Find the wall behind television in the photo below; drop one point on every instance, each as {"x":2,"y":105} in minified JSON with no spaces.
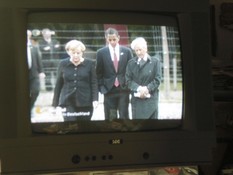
{"x":224,"y":36}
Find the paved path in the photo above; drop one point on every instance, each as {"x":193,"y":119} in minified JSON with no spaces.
{"x":43,"y":112}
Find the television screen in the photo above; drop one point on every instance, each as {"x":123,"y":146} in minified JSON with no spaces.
{"x":50,"y":98}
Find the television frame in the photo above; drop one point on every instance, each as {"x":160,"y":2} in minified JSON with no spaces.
{"x":22,"y":152}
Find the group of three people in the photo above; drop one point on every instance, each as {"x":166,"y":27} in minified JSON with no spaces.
{"x":115,"y":74}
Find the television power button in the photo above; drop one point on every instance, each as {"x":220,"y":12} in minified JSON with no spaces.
{"x":76,"y":159}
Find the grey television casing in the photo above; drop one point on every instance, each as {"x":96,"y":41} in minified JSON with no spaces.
{"x":22,"y":152}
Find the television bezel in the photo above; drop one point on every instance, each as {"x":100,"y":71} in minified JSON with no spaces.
{"x":23,"y":152}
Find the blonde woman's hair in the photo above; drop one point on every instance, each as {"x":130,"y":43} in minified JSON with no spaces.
{"x":73,"y":44}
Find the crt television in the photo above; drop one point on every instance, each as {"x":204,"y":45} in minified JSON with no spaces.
{"x":39,"y":141}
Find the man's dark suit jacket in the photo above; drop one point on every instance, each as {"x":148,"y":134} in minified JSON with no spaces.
{"x":105,"y":70}
{"x":36,"y":64}
{"x":34,"y":71}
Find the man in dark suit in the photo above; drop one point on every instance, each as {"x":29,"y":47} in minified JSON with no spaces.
{"x":50,"y":49}
{"x":110,"y":69}
{"x":35,"y":69}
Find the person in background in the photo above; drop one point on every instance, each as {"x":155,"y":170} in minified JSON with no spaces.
{"x":50,"y":49}
{"x":76,"y":88}
{"x":143,"y":76}
{"x":110,"y":69}
{"x":35,"y":69}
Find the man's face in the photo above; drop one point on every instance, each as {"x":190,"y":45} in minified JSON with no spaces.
{"x":140,"y":50}
{"x":112,"y":39}
{"x":47,"y":34}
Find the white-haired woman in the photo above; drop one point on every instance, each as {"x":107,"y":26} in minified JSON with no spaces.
{"x":76,"y":86}
{"x":143,"y":75}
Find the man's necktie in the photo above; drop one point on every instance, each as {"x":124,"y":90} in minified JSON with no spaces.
{"x":115,"y":62}
{"x":141,"y":62}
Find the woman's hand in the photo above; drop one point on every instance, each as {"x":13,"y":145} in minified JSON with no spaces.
{"x":95,"y":104}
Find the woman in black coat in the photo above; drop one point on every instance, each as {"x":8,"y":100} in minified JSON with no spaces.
{"x":143,"y":76}
{"x":76,"y":87}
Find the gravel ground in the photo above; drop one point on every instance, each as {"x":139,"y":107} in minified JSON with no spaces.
{"x":43,"y":112}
